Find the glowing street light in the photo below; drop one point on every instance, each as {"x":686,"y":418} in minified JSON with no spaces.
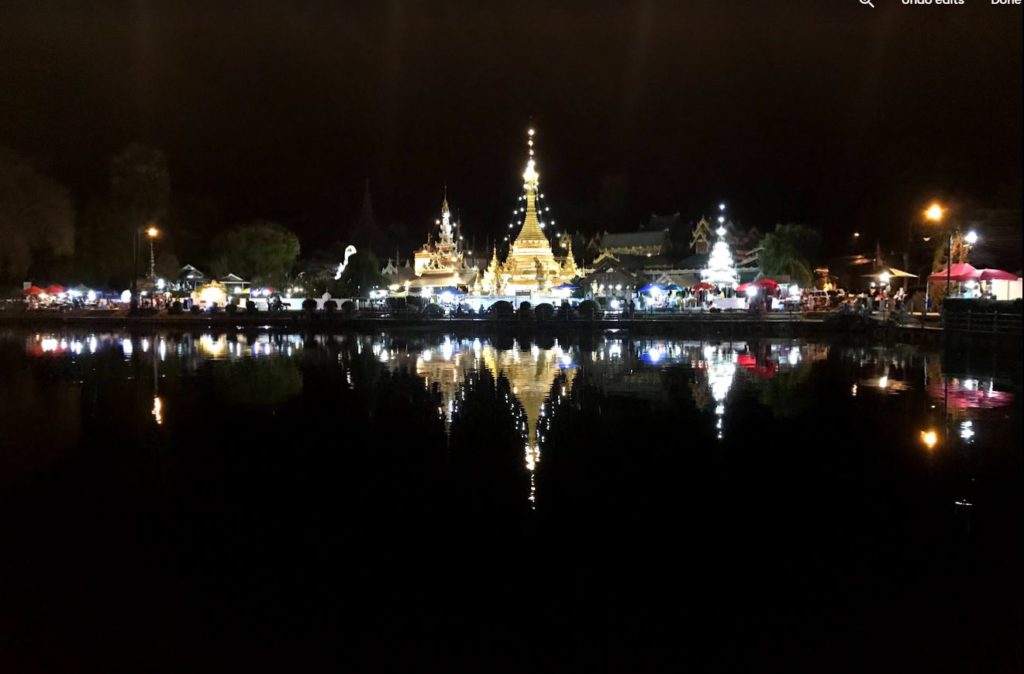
{"x":929,"y":439}
{"x":935,"y":212}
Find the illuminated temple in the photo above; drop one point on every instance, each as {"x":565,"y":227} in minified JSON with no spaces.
{"x":530,"y":266}
{"x":442,"y":263}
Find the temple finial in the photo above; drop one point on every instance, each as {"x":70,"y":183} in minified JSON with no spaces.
{"x":530,"y":176}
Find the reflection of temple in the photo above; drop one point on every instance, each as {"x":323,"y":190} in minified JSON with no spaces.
{"x":531,"y":376}
{"x":530,"y":265}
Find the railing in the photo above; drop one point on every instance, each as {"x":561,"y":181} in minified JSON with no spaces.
{"x":982,"y":322}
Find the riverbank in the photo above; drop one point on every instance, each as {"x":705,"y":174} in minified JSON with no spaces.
{"x":700,"y":324}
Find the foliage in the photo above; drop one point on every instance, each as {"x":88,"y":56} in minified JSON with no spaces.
{"x":580,"y":292}
{"x":360,"y":276}
{"x":261,"y":251}
{"x":138,"y":195}
{"x":140,"y":185}
{"x":501,"y":309}
{"x":167,"y":264}
{"x":36,"y":217}
{"x":789,"y":251}
{"x":589,"y":309}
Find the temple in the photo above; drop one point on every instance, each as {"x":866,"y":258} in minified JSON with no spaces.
{"x":530,"y":266}
{"x":442,"y":264}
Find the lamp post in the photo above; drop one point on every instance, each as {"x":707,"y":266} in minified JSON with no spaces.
{"x":151,"y":233}
{"x":936,"y":213}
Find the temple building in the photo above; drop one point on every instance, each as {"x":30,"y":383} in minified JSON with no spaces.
{"x":442,"y":264}
{"x":531,"y":266}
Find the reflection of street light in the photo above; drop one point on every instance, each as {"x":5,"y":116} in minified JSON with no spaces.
{"x":929,"y":439}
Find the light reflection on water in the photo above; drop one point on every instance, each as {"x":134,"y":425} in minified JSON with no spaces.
{"x":717,"y":441}
{"x":541,"y":376}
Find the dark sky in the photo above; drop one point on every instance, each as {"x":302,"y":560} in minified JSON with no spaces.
{"x":827,"y":112}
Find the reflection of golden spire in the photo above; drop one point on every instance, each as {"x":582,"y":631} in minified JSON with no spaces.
{"x":531,"y":376}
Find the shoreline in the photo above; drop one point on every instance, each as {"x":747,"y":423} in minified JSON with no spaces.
{"x":697,"y":325}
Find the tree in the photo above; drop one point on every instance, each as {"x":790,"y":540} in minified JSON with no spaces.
{"x":140,"y":184}
{"x":36,"y":217}
{"x":137,"y":196}
{"x":261,"y":251}
{"x":360,"y":276}
{"x":789,"y":251}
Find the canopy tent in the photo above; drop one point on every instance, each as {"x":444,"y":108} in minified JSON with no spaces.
{"x":566,"y":286}
{"x":672,"y":287}
{"x":451,"y":290}
{"x":766,"y":283}
{"x":742,"y":288}
{"x":34,"y":290}
{"x":703,"y":285}
{"x":54,"y":289}
{"x":996,"y":275}
{"x":959,"y":272}
{"x":893,"y":272}
{"x":651,"y":287}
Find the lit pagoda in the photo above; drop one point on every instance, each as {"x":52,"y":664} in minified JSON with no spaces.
{"x":530,"y":265}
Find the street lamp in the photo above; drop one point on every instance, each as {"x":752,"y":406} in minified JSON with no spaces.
{"x":151,"y":233}
{"x":935,"y":213}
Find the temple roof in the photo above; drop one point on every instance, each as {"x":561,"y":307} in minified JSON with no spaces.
{"x":638,"y":239}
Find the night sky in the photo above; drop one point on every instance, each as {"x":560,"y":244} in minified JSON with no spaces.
{"x":825,"y":112}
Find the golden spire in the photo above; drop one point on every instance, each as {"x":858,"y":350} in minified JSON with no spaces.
{"x":531,"y":234}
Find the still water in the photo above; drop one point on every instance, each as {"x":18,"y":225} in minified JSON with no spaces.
{"x":213,"y":502}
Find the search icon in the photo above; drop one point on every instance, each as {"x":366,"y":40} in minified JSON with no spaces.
{"x":869,"y":3}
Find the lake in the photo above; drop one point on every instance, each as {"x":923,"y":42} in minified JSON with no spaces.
{"x":192,"y":501}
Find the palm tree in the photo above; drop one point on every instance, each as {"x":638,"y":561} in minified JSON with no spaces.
{"x":787,"y":251}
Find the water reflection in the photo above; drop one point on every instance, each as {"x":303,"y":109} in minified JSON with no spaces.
{"x":266,"y":369}
{"x":538,"y":378}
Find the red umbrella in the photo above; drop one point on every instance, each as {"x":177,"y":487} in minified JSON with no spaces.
{"x":767,"y":283}
{"x":54,"y":289}
{"x":33,"y":290}
{"x":996,"y":275}
{"x":703,"y":285}
{"x":959,"y":272}
{"x":742,"y":288}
